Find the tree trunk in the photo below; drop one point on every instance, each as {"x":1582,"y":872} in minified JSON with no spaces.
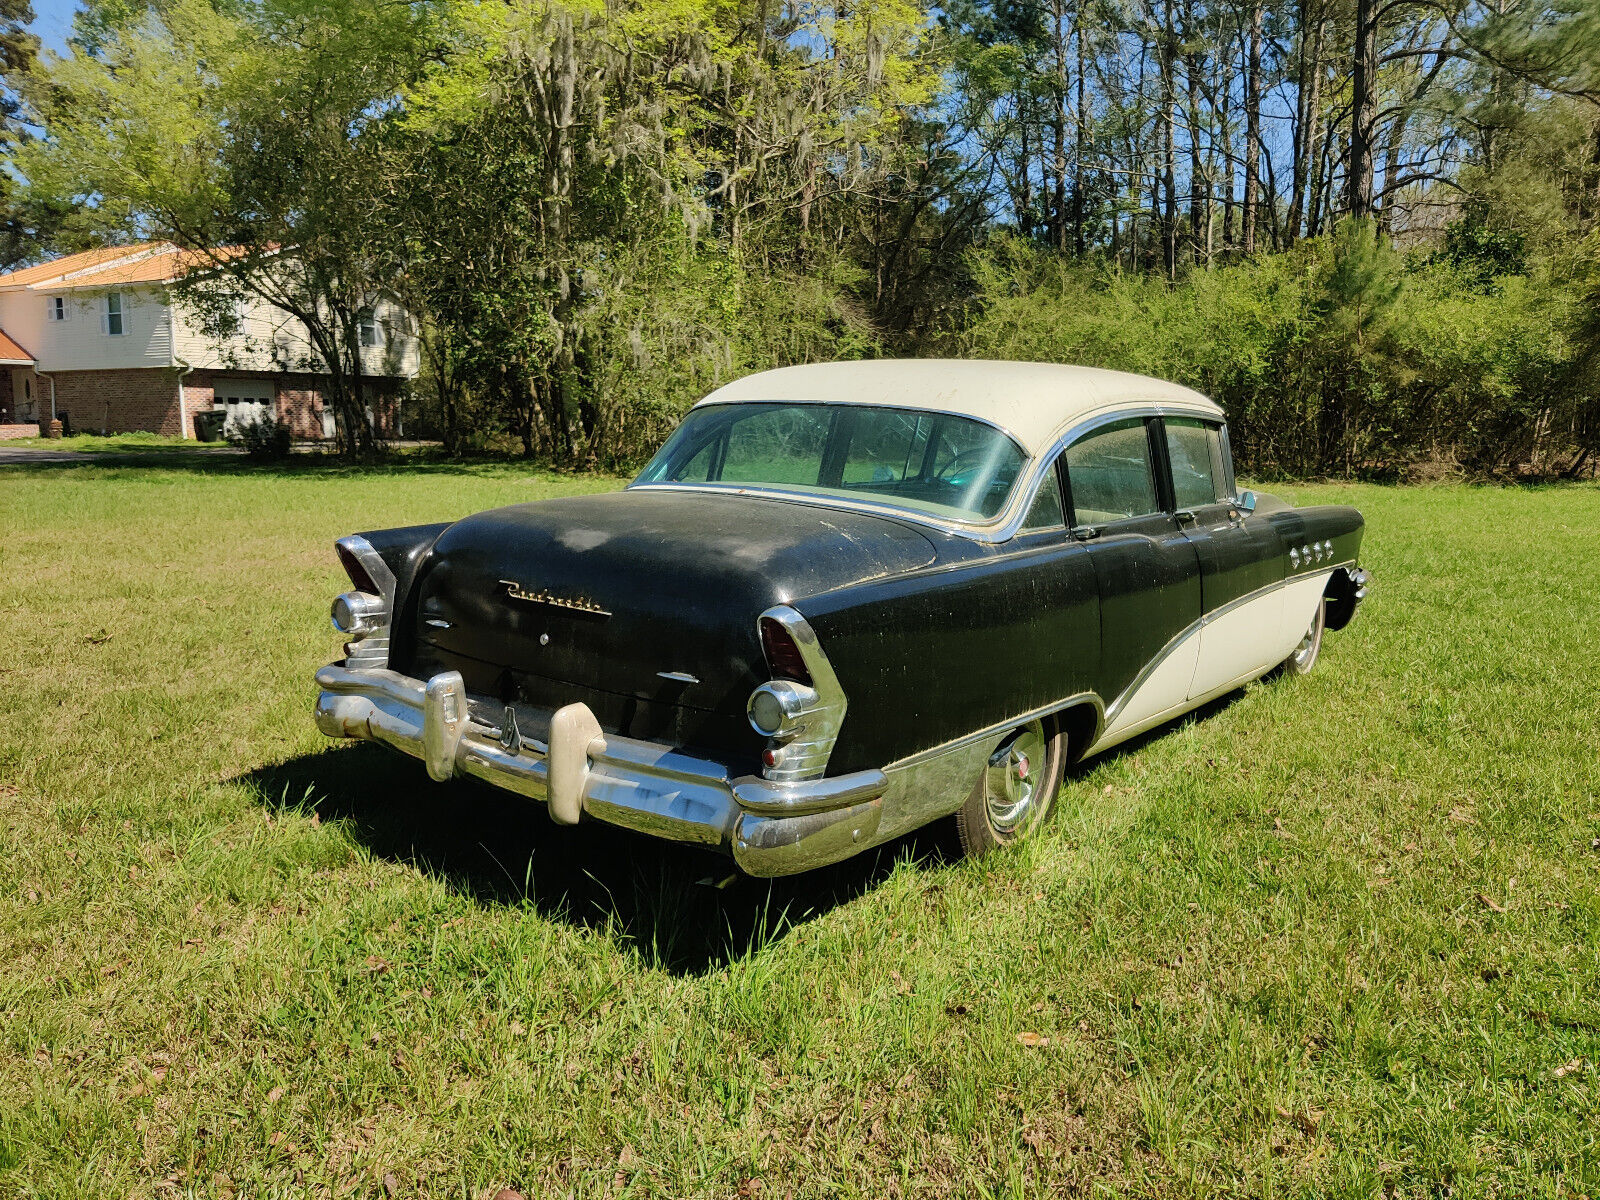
{"x":1078,"y":199}
{"x":1169,"y":175}
{"x":1193,"y":65}
{"x":1230,"y":161}
{"x":1363,"y":93}
{"x":1058,"y":199}
{"x":1252,"y":132}
{"x":1307,"y":132}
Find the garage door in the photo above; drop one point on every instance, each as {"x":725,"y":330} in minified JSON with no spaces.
{"x":245,"y":401}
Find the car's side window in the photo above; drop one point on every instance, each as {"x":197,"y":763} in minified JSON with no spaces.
{"x":1109,"y":474}
{"x":1047,"y":511}
{"x":1199,"y":473}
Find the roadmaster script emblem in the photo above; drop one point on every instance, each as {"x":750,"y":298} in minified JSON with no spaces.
{"x":517,"y":592}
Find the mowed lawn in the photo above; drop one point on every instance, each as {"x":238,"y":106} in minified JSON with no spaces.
{"x":1338,"y":936}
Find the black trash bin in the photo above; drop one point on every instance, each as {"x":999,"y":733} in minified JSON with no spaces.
{"x":208,"y":426}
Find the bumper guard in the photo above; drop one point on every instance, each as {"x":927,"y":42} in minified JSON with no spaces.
{"x":769,"y":828}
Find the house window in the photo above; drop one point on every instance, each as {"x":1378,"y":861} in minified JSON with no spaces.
{"x":56,"y":308}
{"x":370,"y":333}
{"x":116,"y":323}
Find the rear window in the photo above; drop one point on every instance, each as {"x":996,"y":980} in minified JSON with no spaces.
{"x":939,"y":463}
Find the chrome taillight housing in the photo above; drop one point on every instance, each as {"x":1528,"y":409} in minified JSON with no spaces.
{"x":801,"y":710}
{"x":777,"y":709}
{"x":364,"y":615}
{"x":356,"y":614}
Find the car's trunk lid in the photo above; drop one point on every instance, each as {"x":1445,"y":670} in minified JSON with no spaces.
{"x":649,"y":596}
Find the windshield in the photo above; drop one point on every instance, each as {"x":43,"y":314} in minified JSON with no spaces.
{"x":938,"y":463}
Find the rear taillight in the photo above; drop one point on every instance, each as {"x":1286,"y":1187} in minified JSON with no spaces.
{"x":784,"y":660}
{"x":359,"y":575}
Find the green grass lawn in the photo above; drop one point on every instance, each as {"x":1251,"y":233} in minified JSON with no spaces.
{"x":1340,"y":936}
{"x":117,"y":443}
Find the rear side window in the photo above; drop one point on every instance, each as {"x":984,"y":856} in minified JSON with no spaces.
{"x":776,"y":444}
{"x":1199,"y":475}
{"x":1047,"y":511}
{"x":1109,"y":475}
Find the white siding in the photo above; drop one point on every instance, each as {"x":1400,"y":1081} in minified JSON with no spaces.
{"x":80,"y":343}
{"x":269,"y":340}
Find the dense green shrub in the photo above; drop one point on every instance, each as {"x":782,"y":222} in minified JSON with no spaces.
{"x":264,"y":439}
{"x":1338,"y":357}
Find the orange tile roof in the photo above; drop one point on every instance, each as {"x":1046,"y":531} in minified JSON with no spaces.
{"x":58,"y":267}
{"x":10,"y":352}
{"x":162,"y":267}
{"x":149,"y":262}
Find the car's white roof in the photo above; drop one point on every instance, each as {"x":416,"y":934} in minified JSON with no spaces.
{"x":1034,"y":402}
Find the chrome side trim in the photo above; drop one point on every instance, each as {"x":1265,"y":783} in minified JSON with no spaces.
{"x":1006,"y":726}
{"x":805,"y":754}
{"x":1001,"y":528}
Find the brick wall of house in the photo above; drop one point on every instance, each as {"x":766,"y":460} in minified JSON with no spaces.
{"x":119,"y":401}
{"x":12,"y":432}
{"x":300,"y":404}
{"x":298,"y":397}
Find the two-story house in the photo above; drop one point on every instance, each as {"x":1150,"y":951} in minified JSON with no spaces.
{"x":101,"y":339}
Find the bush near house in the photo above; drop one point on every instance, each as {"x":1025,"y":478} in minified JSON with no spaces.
{"x":264,"y":439}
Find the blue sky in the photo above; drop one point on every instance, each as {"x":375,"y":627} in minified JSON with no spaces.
{"x":52,"y":21}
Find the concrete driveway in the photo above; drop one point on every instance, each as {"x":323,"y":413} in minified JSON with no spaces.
{"x":36,"y":455}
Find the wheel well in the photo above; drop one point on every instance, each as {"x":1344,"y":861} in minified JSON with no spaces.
{"x":1340,"y":598}
{"x":1080,"y":723}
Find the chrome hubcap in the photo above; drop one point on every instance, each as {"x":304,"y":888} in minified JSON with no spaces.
{"x":1014,"y":778}
{"x":1306,"y":652}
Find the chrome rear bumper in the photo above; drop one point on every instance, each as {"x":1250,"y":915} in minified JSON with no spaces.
{"x":769,"y":828}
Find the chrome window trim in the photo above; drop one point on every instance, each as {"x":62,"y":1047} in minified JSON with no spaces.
{"x":1001,"y":528}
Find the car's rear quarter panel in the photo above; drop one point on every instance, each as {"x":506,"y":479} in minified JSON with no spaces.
{"x":939,"y":653}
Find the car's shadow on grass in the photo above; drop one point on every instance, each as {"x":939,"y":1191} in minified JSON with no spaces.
{"x":684,"y":910}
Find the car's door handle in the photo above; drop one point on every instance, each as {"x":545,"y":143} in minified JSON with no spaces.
{"x":1084,"y":532}
{"x":1186,"y":516}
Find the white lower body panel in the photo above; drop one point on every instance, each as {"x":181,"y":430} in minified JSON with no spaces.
{"x":1224,"y":650}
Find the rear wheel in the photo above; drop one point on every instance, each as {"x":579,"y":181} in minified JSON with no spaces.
{"x":1015,"y":790}
{"x":1305,"y":655}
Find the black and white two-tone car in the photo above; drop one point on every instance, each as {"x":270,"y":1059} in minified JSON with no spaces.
{"x":843,"y":601}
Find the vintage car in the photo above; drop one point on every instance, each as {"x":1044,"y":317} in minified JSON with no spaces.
{"x":843,"y":601}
